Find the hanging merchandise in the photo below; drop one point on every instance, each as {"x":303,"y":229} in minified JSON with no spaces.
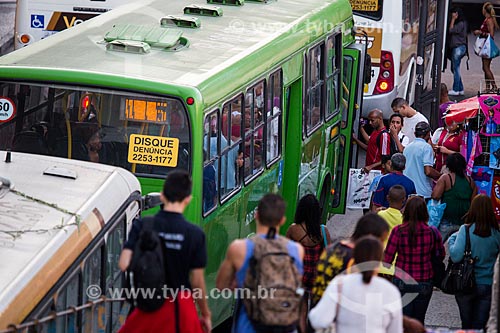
{"x":473,"y":149}
{"x":490,"y":105}
{"x":495,"y":196}
{"x":483,"y":177}
{"x":495,"y":153}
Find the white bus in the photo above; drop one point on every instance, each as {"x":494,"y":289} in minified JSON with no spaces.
{"x":62,"y":226}
{"x":37,"y":19}
{"x":405,"y":42}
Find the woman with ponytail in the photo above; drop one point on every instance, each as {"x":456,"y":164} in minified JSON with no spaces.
{"x":415,"y":243}
{"x":361,"y":301}
{"x":488,"y":28}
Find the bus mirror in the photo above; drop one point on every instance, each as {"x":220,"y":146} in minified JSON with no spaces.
{"x":367,"y":77}
{"x":151,"y":200}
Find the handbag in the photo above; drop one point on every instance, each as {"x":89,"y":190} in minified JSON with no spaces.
{"x":459,"y":277}
{"x":333,"y":326}
{"x":489,"y":49}
{"x":436,"y":212}
{"x":438,"y":267}
{"x":478,"y":44}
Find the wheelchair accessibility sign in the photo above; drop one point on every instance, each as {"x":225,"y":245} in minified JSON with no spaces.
{"x":37,"y":21}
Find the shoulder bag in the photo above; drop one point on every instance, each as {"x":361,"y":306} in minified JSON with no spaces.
{"x":438,"y":267}
{"x":459,"y":277}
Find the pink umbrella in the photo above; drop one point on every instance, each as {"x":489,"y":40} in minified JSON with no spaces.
{"x":460,"y":111}
{"x":469,"y":107}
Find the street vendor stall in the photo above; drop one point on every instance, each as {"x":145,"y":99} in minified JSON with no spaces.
{"x":481,"y":143}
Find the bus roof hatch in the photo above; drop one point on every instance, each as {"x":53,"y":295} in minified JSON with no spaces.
{"x":139,"y":39}
{"x":203,"y":10}
{"x":180,"y":21}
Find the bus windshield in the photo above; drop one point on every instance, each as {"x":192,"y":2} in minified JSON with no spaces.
{"x":371,"y":9}
{"x":147,"y":135}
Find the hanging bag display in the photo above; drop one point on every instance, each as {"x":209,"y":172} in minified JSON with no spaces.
{"x":459,"y":277}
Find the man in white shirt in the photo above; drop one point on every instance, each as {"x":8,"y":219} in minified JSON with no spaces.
{"x":412,"y":117}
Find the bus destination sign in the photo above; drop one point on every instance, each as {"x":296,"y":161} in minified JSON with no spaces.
{"x":153,"y":150}
{"x":364,"y":5}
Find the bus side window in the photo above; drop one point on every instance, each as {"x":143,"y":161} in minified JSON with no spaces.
{"x":334,"y":56}
{"x":254,"y":129}
{"x":273,"y":119}
{"x":210,"y":162}
{"x":314,"y":88}
{"x":229,"y":144}
{"x":92,"y":270}
{"x":114,"y":277}
{"x":66,"y":298}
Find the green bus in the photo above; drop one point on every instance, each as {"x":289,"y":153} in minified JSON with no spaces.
{"x":249,"y":97}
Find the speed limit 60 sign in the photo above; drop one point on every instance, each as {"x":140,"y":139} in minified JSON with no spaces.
{"x":7,"y":109}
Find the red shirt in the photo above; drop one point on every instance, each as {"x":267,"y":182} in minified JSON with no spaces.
{"x":452,"y":141}
{"x":374,"y":152}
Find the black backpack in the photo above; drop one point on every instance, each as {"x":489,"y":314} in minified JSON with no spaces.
{"x":148,"y":269}
{"x":392,"y":144}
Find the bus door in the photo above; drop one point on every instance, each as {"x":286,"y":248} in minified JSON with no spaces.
{"x":353,"y":80}
{"x":433,"y":18}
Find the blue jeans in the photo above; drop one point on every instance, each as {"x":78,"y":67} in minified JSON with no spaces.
{"x":456,"y":57}
{"x":475,"y":307}
{"x":418,"y":306}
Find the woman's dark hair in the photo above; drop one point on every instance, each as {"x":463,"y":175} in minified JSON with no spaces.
{"x":460,"y":13}
{"x":368,"y":250}
{"x":309,"y":212}
{"x":415,"y":211}
{"x":370,"y":224}
{"x":396,"y":115}
{"x":482,"y":214}
{"x":456,"y":163}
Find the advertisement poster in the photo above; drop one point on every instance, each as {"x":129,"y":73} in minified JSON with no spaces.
{"x":495,"y":196}
{"x":483,"y":177}
{"x":358,"y":193}
{"x":490,"y":105}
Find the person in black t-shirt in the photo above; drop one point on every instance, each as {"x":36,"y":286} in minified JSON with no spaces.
{"x":185,"y":258}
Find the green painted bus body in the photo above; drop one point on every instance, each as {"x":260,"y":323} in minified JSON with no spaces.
{"x":222,"y":61}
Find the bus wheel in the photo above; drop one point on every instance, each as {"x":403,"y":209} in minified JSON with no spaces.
{"x":323,"y":200}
